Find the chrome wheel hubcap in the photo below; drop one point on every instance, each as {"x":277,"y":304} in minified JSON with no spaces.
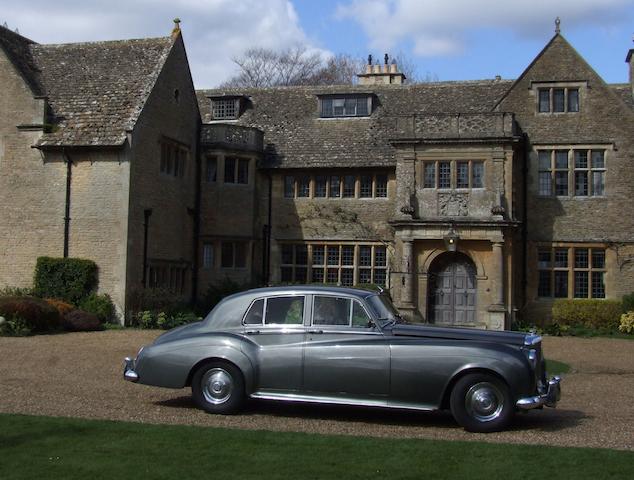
{"x":217,"y":386}
{"x":484,"y":402}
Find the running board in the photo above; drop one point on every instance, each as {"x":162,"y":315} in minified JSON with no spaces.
{"x":294,"y":397}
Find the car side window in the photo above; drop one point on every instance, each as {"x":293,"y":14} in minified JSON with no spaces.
{"x":360,"y":317}
{"x":331,"y":311}
{"x":284,"y":311}
{"x":255,"y":314}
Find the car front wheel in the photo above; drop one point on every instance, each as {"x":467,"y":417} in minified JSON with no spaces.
{"x":218,"y":388}
{"x":481,"y":403}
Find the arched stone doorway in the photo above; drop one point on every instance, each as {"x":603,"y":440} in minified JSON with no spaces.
{"x":452,"y":290}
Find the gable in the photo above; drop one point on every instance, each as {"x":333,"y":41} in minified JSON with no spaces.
{"x":559,"y":65}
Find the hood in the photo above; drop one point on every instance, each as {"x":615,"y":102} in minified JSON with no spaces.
{"x":507,"y":337}
{"x":178,"y":333}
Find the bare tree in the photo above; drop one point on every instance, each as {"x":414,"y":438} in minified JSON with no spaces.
{"x":341,"y":69}
{"x":262,"y":67}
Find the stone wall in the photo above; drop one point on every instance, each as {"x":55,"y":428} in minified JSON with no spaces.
{"x":169,"y":115}
{"x":32,"y":191}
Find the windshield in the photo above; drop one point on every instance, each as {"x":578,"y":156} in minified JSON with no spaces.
{"x":383,"y":309}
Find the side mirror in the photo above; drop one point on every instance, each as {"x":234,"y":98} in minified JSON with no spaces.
{"x":371,"y":324}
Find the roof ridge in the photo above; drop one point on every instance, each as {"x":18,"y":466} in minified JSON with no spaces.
{"x":102,"y":42}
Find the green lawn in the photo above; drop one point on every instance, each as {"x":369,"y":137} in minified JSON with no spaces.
{"x":44,"y":447}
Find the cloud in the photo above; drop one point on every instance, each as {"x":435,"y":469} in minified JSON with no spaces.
{"x":442,"y":27}
{"x":215,"y":31}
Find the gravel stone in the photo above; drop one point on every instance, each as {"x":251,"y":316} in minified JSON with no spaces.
{"x":80,"y":375}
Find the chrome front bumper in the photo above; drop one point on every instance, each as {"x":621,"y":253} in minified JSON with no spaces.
{"x":550,"y":398}
{"x":128,"y":370}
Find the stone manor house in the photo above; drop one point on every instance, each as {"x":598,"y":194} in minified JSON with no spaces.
{"x":474,"y":202}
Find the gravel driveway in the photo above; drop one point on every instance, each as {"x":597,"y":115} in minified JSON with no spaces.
{"x":80,"y":375}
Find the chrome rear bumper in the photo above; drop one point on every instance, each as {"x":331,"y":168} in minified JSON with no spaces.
{"x":128,"y":370}
{"x":550,"y":398}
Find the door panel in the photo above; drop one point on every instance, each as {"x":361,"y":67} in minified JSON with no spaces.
{"x":453,"y":293}
{"x":355,"y":363}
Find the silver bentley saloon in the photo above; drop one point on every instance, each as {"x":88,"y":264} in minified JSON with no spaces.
{"x":346,"y":346}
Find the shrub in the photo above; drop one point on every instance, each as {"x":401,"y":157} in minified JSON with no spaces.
{"x":160,"y":320}
{"x":628,"y":303}
{"x":15,"y":327}
{"x":69,"y":279}
{"x":62,"y":307}
{"x":598,"y":314}
{"x":100,"y":305}
{"x":81,"y":321}
{"x":36,"y":314}
{"x":16,"y":292}
{"x":627,"y":323}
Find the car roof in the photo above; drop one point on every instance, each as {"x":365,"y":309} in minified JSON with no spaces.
{"x":312,"y":289}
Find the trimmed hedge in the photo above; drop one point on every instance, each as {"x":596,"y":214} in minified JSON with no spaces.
{"x":69,"y":279}
{"x":36,"y":314}
{"x":601,"y":314}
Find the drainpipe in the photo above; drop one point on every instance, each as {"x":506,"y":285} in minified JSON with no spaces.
{"x":267,"y":272}
{"x":146,"y":224}
{"x":197,"y":208}
{"x":525,"y":221}
{"x":69,"y":173}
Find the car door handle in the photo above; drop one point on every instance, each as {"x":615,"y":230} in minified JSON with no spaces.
{"x":252,"y":332}
{"x":314,"y":330}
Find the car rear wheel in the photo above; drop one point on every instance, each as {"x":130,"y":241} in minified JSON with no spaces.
{"x":218,"y":388}
{"x":481,"y":403}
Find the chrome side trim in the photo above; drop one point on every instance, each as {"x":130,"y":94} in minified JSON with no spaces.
{"x":550,"y":398}
{"x":293,"y":397}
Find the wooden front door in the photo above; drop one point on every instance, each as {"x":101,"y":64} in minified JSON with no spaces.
{"x":452,"y":293}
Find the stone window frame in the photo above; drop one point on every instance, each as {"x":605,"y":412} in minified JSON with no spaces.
{"x":547,"y":175}
{"x":334,"y":263}
{"x":173,"y":158}
{"x":239,"y":174}
{"x":551,"y":87}
{"x":168,"y":275}
{"x":208,"y":255}
{"x":211,"y":168}
{"x":306,"y":185}
{"x":562,"y":272}
{"x":453,"y":174}
{"x":328,"y":105}
{"x":229,"y":250}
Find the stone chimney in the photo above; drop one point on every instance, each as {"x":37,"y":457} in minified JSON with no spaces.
{"x":630,"y":60}
{"x":376,"y":74}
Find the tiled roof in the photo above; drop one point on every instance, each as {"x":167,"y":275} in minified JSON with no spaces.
{"x":624,"y":92}
{"x":17,"y":49}
{"x":97,"y":90}
{"x":289,"y":118}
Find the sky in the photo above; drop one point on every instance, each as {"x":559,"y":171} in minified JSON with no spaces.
{"x":443,"y":39}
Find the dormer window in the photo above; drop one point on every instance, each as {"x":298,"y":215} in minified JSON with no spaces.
{"x":225,"y":109}
{"x":345,"y":106}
